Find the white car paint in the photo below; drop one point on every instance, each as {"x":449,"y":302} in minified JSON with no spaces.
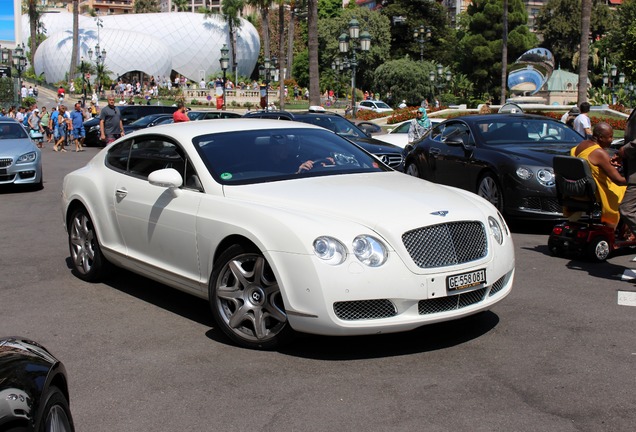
{"x":173,"y":235}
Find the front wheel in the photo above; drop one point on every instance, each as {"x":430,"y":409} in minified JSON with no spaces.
{"x":412,"y":170}
{"x":86,"y":255}
{"x":56,"y":416}
{"x":488,"y":188}
{"x":246,"y":300}
{"x":599,"y":249}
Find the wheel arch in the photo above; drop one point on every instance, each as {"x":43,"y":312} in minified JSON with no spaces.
{"x":229,"y":241}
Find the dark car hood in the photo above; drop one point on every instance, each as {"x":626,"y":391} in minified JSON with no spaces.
{"x":91,"y":122}
{"x":540,"y":154}
{"x":373,"y":145}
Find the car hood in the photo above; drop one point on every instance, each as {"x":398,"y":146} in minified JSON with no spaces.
{"x":540,"y":154}
{"x":16,"y":147}
{"x":373,"y":145}
{"x":388,"y":201}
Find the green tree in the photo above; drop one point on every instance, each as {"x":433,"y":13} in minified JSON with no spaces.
{"x":180,"y":5}
{"x":623,"y":38}
{"x":146,"y":6}
{"x":433,"y":16}
{"x":263,"y":7}
{"x":480,"y":44}
{"x":559,"y":23}
{"x":378,"y":27}
{"x":406,"y":79}
{"x":328,"y":9}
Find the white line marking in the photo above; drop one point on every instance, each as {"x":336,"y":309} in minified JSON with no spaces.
{"x":627,"y":298}
{"x":628,"y":275}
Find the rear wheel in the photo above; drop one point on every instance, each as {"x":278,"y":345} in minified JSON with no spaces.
{"x":86,"y":255}
{"x":246,"y":300}
{"x":599,"y":249}
{"x":489,"y":189}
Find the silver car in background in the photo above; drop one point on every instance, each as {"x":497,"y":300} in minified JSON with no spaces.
{"x":20,"y":159}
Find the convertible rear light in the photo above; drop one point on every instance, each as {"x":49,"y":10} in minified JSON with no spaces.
{"x":581,"y":234}
{"x":557,"y":230}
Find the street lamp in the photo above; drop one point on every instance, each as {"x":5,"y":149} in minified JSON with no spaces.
{"x":225,"y":63}
{"x":421,"y":35}
{"x":19,"y":61}
{"x":352,"y":39}
{"x":440,"y":79}
{"x":100,"y":58}
{"x":268,"y":70}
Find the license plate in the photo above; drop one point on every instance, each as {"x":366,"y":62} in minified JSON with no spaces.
{"x":465,"y":280}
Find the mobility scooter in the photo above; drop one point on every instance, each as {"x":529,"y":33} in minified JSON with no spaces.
{"x":588,"y":237}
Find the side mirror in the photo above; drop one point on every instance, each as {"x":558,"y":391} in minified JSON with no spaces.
{"x":167,"y":178}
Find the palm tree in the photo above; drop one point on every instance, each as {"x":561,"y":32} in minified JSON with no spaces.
{"x":504,"y":52}
{"x":281,"y":52}
{"x":314,"y":73}
{"x":75,"y":48}
{"x":586,"y":12}
{"x":180,"y":5}
{"x":34,"y":19}
{"x":231,"y":10}
{"x":263,"y":6}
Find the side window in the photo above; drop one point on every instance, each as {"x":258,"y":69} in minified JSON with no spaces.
{"x":118,"y":155}
{"x":151,"y":154}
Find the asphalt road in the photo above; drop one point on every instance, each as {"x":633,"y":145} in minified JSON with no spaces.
{"x":559,"y":354}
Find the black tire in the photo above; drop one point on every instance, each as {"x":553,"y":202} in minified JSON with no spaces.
{"x":488,"y":188}
{"x":555,"y":249}
{"x":599,"y":249}
{"x":56,"y":415}
{"x":412,"y":170}
{"x":87,"y":259}
{"x":246,"y":301}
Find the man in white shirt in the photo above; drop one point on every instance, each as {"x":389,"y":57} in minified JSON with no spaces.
{"x":582,"y":123}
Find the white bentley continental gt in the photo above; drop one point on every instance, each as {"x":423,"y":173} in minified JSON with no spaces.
{"x":284,"y":227}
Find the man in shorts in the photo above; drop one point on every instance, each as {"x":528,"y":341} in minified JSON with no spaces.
{"x":110,"y":124}
{"x":78,"y":133}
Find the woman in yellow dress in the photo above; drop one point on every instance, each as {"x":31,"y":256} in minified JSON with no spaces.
{"x":611,"y":184}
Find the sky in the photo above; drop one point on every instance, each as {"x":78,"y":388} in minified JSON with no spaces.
{"x":7,"y":21}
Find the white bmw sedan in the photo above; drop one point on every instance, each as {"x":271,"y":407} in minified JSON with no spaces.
{"x":284,"y":227}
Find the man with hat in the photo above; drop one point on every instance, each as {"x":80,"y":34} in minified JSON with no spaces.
{"x":569,"y":116}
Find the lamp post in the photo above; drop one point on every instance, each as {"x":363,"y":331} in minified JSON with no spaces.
{"x":267,"y":70}
{"x":440,"y":79}
{"x":421,"y":35}
{"x":100,"y":58}
{"x":19,"y":61}
{"x":354,"y":39}
{"x":225,"y":63}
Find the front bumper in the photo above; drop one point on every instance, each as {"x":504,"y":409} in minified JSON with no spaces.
{"x":351,"y":299}
{"x":26,"y":173}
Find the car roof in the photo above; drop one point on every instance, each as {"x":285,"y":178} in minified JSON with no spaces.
{"x":472,"y":118}
{"x":186,"y":131}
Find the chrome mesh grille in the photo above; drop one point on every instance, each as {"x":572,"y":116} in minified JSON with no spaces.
{"x":445,"y":304}
{"x":5,"y":162}
{"x":544,"y":204}
{"x":364,"y":309}
{"x":446,"y":244}
{"x":497,"y":286}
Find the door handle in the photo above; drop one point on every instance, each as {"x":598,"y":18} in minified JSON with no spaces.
{"x":121,"y":192}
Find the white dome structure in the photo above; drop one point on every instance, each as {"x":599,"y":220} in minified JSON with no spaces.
{"x":155,"y":44}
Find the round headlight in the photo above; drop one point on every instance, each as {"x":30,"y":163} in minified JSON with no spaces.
{"x":369,"y":250}
{"x":545,"y":177}
{"x":330,"y":250}
{"x":495,"y":229}
{"x":524,"y":173}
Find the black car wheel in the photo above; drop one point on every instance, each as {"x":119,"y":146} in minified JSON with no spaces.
{"x":86,"y":255}
{"x":488,"y":188}
{"x":56,"y":416}
{"x":246,"y":301}
{"x":599,"y":249}
{"x":412,"y":170}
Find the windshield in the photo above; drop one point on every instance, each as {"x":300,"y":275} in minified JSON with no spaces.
{"x":12,"y":131}
{"x":382,"y":105}
{"x":512,"y":130}
{"x":258,"y":156}
{"x":339,"y":125}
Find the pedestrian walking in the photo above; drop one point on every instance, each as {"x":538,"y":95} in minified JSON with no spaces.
{"x":110,"y":124}
{"x":78,"y":132}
